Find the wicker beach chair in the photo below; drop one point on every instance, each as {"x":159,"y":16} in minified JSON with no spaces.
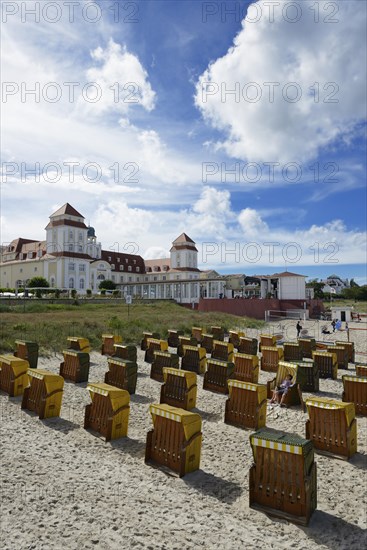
{"x":13,"y":375}
{"x":355,"y":391}
{"x":194,"y":359}
{"x":270,"y":358}
{"x":332,"y":427}
{"x":327,"y":364}
{"x":217,"y":375}
{"x":108,"y":343}
{"x":108,"y":414}
{"x":163,"y":359}
{"x":122,"y":374}
{"x":246,"y":405}
{"x":75,"y":366}
{"x":246,"y":368}
{"x":179,"y":388}
{"x":28,"y":351}
{"x":175,"y":441}
{"x":44,"y":393}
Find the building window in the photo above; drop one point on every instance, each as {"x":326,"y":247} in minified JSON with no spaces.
{"x":126,"y":260}
{"x":109,"y":258}
{"x":164,"y":278}
{"x":100,"y":277}
{"x":35,"y":269}
{"x":71,"y":282}
{"x":146,"y":279}
{"x":137,"y":279}
{"x":81,"y":284}
{"x":138,"y":269}
{"x":129,"y":268}
{"x":81,"y":267}
{"x":134,"y":262}
{"x":130,"y":279}
{"x":71,"y":236}
{"x":21,"y":270}
{"x":118,"y":260}
{"x":155,"y":278}
{"x":80,"y":248}
{"x":70,"y":247}
{"x":52,"y":282}
{"x":113,"y":266}
{"x":80,"y":237}
{"x":113,"y":278}
{"x":121,"y":278}
{"x":30,"y":254}
{"x":71,"y":266}
{"x":121,"y":268}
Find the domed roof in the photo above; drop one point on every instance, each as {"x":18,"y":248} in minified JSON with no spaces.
{"x":91,"y":232}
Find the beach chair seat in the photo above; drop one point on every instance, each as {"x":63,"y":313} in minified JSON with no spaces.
{"x":179,"y":388}
{"x":292,"y":351}
{"x":13,"y":375}
{"x":246,"y":405}
{"x":342,"y":356}
{"x":222,"y":350}
{"x":308,"y":345}
{"x":44,"y":393}
{"x":332,"y":427}
{"x":122,"y":374}
{"x":270,"y":357}
{"x":75,"y":366}
{"x":355,"y":391}
{"x":172,"y":338}
{"x":28,"y":351}
{"x":217,"y":375}
{"x":294,"y":393}
{"x":268,"y":340}
{"x":175,"y":441}
{"x":327,"y":364}
{"x":185,"y":341}
{"x":246,"y":368}
{"x":108,"y":343}
{"x":361,"y":370}
{"x":197,"y":333}
{"x":248,"y":346}
{"x":207,"y":342}
{"x":79,"y":344}
{"x":146,"y":335}
{"x":194,"y":359}
{"x":128,"y":352}
{"x":163,"y":359}
{"x":154,"y":345}
{"x":349,"y":346}
{"x":234,"y":337}
{"x":108,"y":414}
{"x":308,"y":375}
{"x":217,"y":333}
{"x":282,"y":479}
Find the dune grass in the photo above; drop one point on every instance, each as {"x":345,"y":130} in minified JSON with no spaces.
{"x":51,"y":324}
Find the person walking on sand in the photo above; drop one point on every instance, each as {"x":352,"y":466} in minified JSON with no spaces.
{"x":333,"y":324}
{"x":299,"y":328}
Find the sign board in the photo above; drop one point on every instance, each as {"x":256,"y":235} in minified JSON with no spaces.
{"x":129,"y":300}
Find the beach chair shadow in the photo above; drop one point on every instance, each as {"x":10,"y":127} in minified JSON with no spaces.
{"x":137,"y":398}
{"x":128,"y":445}
{"x":59,"y":424}
{"x":328,"y":530}
{"x":359,"y":461}
{"x":213,"y":486}
{"x":210,"y":417}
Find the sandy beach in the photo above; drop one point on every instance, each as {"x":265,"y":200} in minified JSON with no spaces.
{"x":63,"y":487}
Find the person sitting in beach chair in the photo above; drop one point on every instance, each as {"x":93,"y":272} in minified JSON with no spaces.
{"x":324,"y":330}
{"x":281,"y":391}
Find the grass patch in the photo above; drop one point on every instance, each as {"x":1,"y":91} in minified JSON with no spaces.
{"x":51,"y":324}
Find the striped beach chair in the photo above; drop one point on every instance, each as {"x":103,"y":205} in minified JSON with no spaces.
{"x":194,"y":359}
{"x":108,"y":414}
{"x":122,"y":374}
{"x":179,"y":388}
{"x":175,"y":441}
{"x":75,"y":366}
{"x":44,"y":393}
{"x":217,"y":375}
{"x":248,"y":346}
{"x":270,"y":358}
{"x":283,"y":479}
{"x":332,"y":426}
{"x":13,"y":375}
{"x":78,"y":344}
{"x":327,"y":364}
{"x":108,"y":343}
{"x":355,"y":391}
{"x":246,"y":368}
{"x":28,"y":351}
{"x":163,"y":359}
{"x":246,"y":405}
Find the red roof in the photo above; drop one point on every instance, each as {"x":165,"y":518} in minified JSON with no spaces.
{"x":182,"y":239}
{"x":67,"y":209}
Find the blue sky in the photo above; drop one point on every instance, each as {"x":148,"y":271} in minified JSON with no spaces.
{"x":177,"y":143}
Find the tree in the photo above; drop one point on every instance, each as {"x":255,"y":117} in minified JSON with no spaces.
{"x":107,"y":285}
{"x":317,"y":288}
{"x":38,"y":282}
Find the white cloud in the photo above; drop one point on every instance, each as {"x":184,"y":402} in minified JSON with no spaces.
{"x":155,"y":252}
{"x":251,"y":223}
{"x":304,"y":52}
{"x":209,"y":214}
{"x":122,"y":79}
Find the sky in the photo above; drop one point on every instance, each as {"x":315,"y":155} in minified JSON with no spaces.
{"x":242,"y":124}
